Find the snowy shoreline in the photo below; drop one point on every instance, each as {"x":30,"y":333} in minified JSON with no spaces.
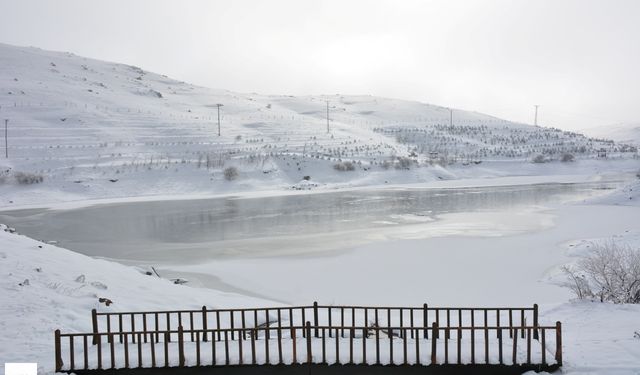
{"x":598,"y":336}
{"x":51,"y":201}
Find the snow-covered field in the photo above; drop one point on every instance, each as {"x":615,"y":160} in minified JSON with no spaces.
{"x":94,"y":130}
{"x":99,"y":132}
{"x":46,"y":287}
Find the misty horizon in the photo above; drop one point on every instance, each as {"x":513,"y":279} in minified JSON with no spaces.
{"x":576,"y":59}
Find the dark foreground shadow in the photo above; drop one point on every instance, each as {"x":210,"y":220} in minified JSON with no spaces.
{"x":321,"y":369}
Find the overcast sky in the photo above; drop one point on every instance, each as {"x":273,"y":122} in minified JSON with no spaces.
{"x":578,"y":59}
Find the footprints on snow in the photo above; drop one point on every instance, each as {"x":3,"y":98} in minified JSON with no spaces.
{"x":96,"y":284}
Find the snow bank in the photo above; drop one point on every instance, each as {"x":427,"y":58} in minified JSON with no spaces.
{"x":628,"y":195}
{"x":598,"y":338}
{"x":44,"y":287}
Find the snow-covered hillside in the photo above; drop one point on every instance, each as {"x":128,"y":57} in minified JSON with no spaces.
{"x":624,"y":132}
{"x":81,"y":128}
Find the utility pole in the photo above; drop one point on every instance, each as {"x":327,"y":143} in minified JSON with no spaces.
{"x":219,"y":105}
{"x":535,"y":119}
{"x":450,"y":117}
{"x":327,"y":117}
{"x":6,"y":142}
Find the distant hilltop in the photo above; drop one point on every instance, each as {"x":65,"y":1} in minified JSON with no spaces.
{"x":88,"y":127}
{"x":621,"y":132}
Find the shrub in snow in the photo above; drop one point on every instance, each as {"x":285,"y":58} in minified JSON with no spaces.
{"x":152,"y":93}
{"x":404,"y":163}
{"x":344,"y":166}
{"x":609,"y":273}
{"x":566,"y":157}
{"x":98,"y":285}
{"x":28,"y":178}
{"x":230,"y":173}
{"x":106,"y":301}
{"x":539,"y":159}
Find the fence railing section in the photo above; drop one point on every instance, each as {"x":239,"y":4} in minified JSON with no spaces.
{"x":312,"y":334}
{"x":331,"y":316}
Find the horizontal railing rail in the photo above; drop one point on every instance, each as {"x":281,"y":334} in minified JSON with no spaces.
{"x":204,"y":318}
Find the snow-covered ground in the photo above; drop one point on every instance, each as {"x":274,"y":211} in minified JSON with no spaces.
{"x":45,"y":287}
{"x":94,"y":130}
{"x":599,"y":338}
{"x":103,"y":132}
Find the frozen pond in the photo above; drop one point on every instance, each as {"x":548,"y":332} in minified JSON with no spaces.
{"x":190,"y":231}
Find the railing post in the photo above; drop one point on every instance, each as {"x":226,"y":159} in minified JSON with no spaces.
{"x":309,"y":356}
{"x":514,"y":359}
{"x":94,"y":324}
{"x":204,"y":323}
{"x":425,"y":313}
{"x":180,"y":346}
{"x":295,"y":346}
{"x":535,"y":321}
{"x":434,"y":335}
{"x":559,"y":343}
{"x":315,"y":317}
{"x":58,"y":351}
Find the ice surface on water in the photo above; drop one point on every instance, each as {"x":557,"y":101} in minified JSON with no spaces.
{"x":173,"y":231}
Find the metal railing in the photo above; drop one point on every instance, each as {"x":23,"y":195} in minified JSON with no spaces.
{"x":312,"y":334}
{"x":328,"y":315}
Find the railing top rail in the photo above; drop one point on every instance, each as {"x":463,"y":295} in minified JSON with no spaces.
{"x":422,"y":307}
{"x":200,"y":310}
{"x":430,"y":308}
{"x":302,"y":327}
{"x":144,"y":312}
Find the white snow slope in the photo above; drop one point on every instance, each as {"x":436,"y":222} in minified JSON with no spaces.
{"x":622,"y":132}
{"x":94,"y":129}
{"x":44,"y":288}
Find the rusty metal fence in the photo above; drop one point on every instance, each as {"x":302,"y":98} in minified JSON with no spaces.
{"x":312,"y":334}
